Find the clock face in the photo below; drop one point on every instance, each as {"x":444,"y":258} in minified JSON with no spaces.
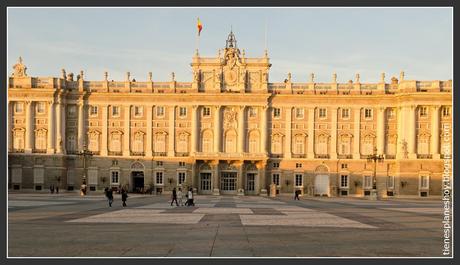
{"x":230,"y":76}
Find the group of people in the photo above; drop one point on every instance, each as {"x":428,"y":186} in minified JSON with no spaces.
{"x":52,"y":188}
{"x":109,"y":194}
{"x":177,"y":197}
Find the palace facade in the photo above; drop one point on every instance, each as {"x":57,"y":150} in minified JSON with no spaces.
{"x":229,"y":131}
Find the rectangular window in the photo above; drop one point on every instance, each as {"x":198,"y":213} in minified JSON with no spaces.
{"x":18,"y":107}
{"x":276,"y":165}
{"x":344,"y":166}
{"x":299,"y":113}
{"x":206,"y":112}
{"x":276,"y":112}
{"x":181,"y":178}
{"x":345,"y":113}
{"x":298,"y":165}
{"x":367,"y":182}
{"x":138,"y":111}
{"x":93,"y":110}
{"x":159,"y":178}
{"x":160,"y":111}
{"x":322,"y":113}
{"x":391,"y":113}
{"x":182,"y":111}
{"x":445,"y":112}
{"x":368,"y":113}
{"x":115,"y":111}
{"x":276,"y":179}
{"x":344,"y":181}
{"x":252,"y":112}
{"x":423,"y":112}
{"x":40,"y":107}
{"x":115,"y":175}
{"x":159,"y":163}
{"x":391,"y":182}
{"x":182,"y":164}
{"x":424,"y":182}
{"x":298,"y":180}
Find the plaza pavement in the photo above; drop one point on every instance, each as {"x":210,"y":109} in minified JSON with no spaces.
{"x":68,"y":225}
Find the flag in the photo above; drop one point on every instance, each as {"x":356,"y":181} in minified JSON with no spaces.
{"x":200,"y":26}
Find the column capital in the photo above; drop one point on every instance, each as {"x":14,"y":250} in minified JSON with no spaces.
{"x":381,"y":108}
{"x":195,"y":107}
{"x":217,"y":106}
{"x":436,"y":107}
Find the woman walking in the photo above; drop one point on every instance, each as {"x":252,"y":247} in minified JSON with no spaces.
{"x":124,"y":196}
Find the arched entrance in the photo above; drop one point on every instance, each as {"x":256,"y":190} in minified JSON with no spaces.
{"x":322,"y":181}
{"x":137,"y":177}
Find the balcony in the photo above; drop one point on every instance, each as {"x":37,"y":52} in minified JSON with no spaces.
{"x":365,"y":156}
{"x":277,"y":155}
{"x":133,"y":153}
{"x":95,"y":153}
{"x":322,"y":156}
{"x":299,"y":155}
{"x":72,"y":152}
{"x":182,"y":154}
{"x":344,"y":156}
{"x":115,"y":153}
{"x":17,"y":151}
{"x":424,"y":156}
{"x":39,"y":151}
{"x":159,"y":153}
{"x":390,"y":156}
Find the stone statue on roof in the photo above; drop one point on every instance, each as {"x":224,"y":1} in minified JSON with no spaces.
{"x":19,"y":69}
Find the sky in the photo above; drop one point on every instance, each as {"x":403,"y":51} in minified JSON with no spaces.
{"x":301,"y":41}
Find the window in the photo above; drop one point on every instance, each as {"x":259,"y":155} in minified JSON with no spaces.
{"x":276,"y":179}
{"x":368,"y":113}
{"x":276,"y":165}
{"x":299,"y":113}
{"x":345,"y":144}
{"x":252,"y":112}
{"x":367,"y":182}
{"x":93,"y":145}
{"x":207,"y":143}
{"x":368,"y":146}
{"x":18,"y":142}
{"x":423,"y":112}
{"x":254,"y":142}
{"x":344,"y":166}
{"x":206,"y":112}
{"x":276,"y":144}
{"x":445,"y":112}
{"x":138,"y":111}
{"x":391,"y":113}
{"x":250,"y":181}
{"x":424,"y":182}
{"x":160,"y":111}
{"x":159,"y":178}
{"x":322,"y":113}
{"x":115,"y":177}
{"x":40,"y":140}
{"x":71,"y":110}
{"x":298,"y":165}
{"x":390,"y":182}
{"x":138,"y":145}
{"x":321,"y":147}
{"x":18,"y":107}
{"x":345,"y":113}
{"x":160,"y":143}
{"x":344,"y":181}
{"x":93,"y":110}
{"x":423,"y":145}
{"x":115,"y":143}
{"x":182,"y":112}
{"x":159,"y":163}
{"x":182,"y":164}
{"x":299,"y":145}
{"x":40,"y":107}
{"x":298,"y":180}
{"x":276,"y":112}
{"x":115,"y":111}
{"x":181,"y":178}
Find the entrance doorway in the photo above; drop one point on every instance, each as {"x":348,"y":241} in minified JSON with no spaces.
{"x":205,"y":182}
{"x":228,"y":182}
{"x":138,"y":181}
{"x":322,"y":185}
{"x":251,"y":182}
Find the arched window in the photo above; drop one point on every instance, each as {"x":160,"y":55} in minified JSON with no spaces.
{"x":345,"y":144}
{"x":254,"y":142}
{"x":423,"y":144}
{"x":182,"y":143}
{"x":230,"y":142}
{"x":277,"y":142}
{"x":138,"y":145}
{"x":368,"y":145}
{"x":322,"y":144}
{"x":93,"y":145}
{"x":160,"y":142}
{"x":115,"y":142}
{"x":207,"y":144}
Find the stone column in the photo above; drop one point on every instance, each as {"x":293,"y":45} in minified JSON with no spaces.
{"x":194,"y":133}
{"x":60,"y":127}
{"x":148,"y":149}
{"x":29,"y":127}
{"x":435,"y":132}
{"x":401,"y":133}
{"x":262,"y":182}
{"x":241,"y":178}
{"x":172,"y":130}
{"x":288,"y":139}
{"x":215,"y":177}
{"x":81,"y":129}
{"x":311,"y":133}
{"x":217,"y":129}
{"x":411,"y":133}
{"x":10,"y":125}
{"x":127,"y":131}
{"x":334,"y":133}
{"x":381,"y":130}
{"x":241,"y":130}
{"x":105,"y":131}
{"x":51,"y":129}
{"x":356,"y":133}
{"x":263,"y":129}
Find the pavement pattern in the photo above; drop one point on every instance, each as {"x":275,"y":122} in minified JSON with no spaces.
{"x":67,"y":225}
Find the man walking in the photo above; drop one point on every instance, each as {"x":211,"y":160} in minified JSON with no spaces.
{"x":110,"y":196}
{"x":179,"y":197}
{"x":124,"y":196}
{"x":296,"y":196}
{"x":174,"y":197}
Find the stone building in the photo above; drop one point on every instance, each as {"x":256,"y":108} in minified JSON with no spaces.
{"x":229,"y":131}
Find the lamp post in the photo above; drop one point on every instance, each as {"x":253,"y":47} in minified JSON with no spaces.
{"x":375,"y":157}
{"x":84,"y":153}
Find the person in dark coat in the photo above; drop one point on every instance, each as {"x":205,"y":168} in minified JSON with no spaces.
{"x":296,"y":196}
{"x":174,"y":197}
{"x":124,"y":196}
{"x":57,"y":189}
{"x":110,"y":196}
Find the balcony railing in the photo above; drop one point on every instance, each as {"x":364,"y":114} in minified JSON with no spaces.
{"x":17,"y":151}
{"x":390,"y":156}
{"x":424,"y":156}
{"x":159,"y":153}
{"x":182,"y":154}
{"x":365,"y":156}
{"x":133,"y":153}
{"x":277,"y":155}
{"x":72,"y":152}
{"x":115,"y":153}
{"x":323,"y":156}
{"x":299,"y":155}
{"x":344,"y":156}
{"x":40,"y":151}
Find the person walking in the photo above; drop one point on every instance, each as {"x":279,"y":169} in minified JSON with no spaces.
{"x":110,"y":196}
{"x":296,"y":196}
{"x":179,"y":197}
{"x":174,"y":197}
{"x":57,"y":189}
{"x":124,"y":196}
{"x":190,"y":198}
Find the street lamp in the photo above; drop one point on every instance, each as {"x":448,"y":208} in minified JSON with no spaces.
{"x":374,"y":157}
{"x":84,"y":153}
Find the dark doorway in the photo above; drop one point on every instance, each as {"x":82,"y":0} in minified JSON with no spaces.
{"x":138,"y":181}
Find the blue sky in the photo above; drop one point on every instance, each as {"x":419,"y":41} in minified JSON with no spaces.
{"x":300,"y":41}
